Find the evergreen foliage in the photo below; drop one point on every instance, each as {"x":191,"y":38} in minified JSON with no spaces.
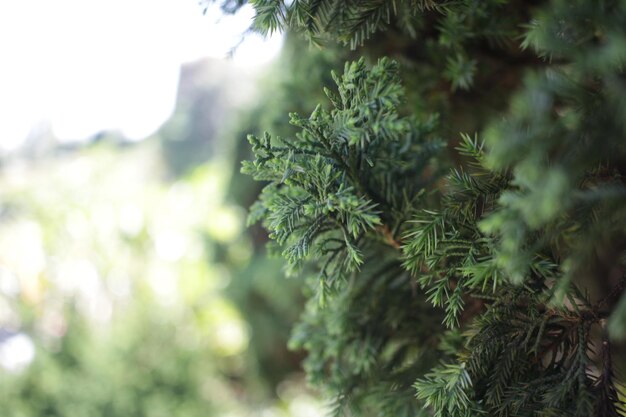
{"x":482,"y":278}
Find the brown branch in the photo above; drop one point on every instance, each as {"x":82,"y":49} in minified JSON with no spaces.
{"x":613,"y":295}
{"x":388,"y":236}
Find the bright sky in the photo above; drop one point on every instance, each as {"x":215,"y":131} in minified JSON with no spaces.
{"x":90,"y":65}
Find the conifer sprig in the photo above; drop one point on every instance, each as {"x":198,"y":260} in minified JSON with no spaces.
{"x":330,"y":183}
{"x":339,"y":193}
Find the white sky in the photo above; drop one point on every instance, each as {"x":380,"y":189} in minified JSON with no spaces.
{"x":88,"y":65}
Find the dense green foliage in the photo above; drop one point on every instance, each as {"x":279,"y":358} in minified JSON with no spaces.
{"x":482,"y":278}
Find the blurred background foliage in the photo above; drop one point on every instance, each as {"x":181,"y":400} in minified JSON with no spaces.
{"x":129,"y":285}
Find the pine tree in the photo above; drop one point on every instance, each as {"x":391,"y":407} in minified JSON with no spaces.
{"x":480,"y":274}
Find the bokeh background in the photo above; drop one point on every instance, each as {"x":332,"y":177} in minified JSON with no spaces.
{"x":130,"y":284}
